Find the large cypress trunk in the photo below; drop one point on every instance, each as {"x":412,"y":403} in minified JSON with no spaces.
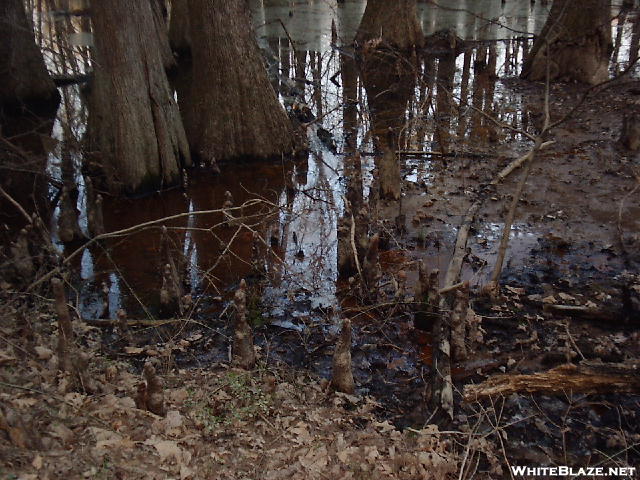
{"x":158,"y":8}
{"x":575,"y":42}
{"x":25,"y":84}
{"x":394,"y":22}
{"x":134,"y":123}
{"x":28,"y":104}
{"x":389,"y":81}
{"x":232,"y":110}
{"x":179,"y":27}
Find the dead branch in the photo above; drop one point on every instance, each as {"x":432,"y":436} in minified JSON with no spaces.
{"x":13,"y":202}
{"x":528,"y":161}
{"x":352,"y":238}
{"x":426,"y":153}
{"x":506,"y":231}
{"x":585,"y":378}
{"x":442,"y":392}
{"x":452,"y":288}
{"x":129,"y":230}
{"x":505,"y":172}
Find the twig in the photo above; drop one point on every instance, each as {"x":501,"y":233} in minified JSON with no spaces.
{"x":293,"y":47}
{"x":505,"y":172}
{"x":445,"y":154}
{"x":353,"y":245}
{"x":135,"y":228}
{"x":16,"y":204}
{"x":528,"y":160}
{"x":98,"y":322}
{"x":450,"y":288}
{"x":506,"y":231}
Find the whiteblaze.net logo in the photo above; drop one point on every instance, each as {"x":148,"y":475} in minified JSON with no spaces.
{"x":519,"y":471}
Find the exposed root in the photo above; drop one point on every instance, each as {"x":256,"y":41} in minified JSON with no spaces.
{"x":244,"y":354}
{"x":342,"y":375}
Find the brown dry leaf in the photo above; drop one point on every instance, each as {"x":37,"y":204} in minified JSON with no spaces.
{"x":173,"y":422}
{"x":353,"y":399}
{"x":107,"y":438}
{"x":315,"y":460}
{"x":6,"y":359}
{"x":168,"y":450}
{"x":75,"y":399}
{"x":566,"y":297}
{"x":185,"y":472}
{"x":384,"y":426}
{"x":43,"y":353}
{"x":517,"y":291}
{"x":133,"y":350}
{"x":37,"y":462}
{"x":345,"y":454}
{"x":397,"y":363}
{"x":25,"y":402}
{"x":301,"y":433}
{"x":177,"y":396}
{"x":62,"y":433}
{"x":127,"y":403}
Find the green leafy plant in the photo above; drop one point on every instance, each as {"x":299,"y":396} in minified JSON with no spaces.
{"x":242,"y":400}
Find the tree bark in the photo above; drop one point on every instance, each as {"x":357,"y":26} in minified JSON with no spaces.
{"x":135,"y":123}
{"x":29,"y":101}
{"x":25,"y":84}
{"x":159,"y":19}
{"x":576,"y":45}
{"x":395,"y":23}
{"x":179,"y":37}
{"x":232,"y":111}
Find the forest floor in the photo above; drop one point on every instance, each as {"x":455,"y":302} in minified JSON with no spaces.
{"x":219,"y":422}
{"x":575,"y":245}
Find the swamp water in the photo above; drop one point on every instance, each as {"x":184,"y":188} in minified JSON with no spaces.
{"x":286,"y":245}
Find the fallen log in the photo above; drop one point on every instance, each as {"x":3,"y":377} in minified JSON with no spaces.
{"x":585,"y":378}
